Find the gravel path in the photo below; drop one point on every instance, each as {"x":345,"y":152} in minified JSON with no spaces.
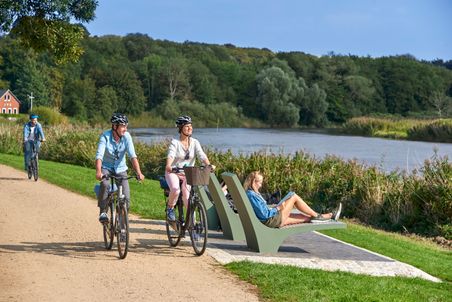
{"x":51,"y":249}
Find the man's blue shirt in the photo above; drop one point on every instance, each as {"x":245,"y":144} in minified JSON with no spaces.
{"x":112,"y":154}
{"x":263,"y":212}
{"x":38,"y":133}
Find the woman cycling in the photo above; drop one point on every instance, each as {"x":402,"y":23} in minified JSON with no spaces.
{"x":181,"y":153}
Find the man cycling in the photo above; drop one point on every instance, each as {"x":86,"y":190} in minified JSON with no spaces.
{"x":181,"y":153}
{"x":33,"y":134}
{"x":111,"y":160}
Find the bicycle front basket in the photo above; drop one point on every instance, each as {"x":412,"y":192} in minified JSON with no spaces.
{"x":197,"y":176}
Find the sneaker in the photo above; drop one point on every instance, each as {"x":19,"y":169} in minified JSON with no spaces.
{"x":170,"y":214}
{"x":103,"y":217}
{"x":337,"y":212}
{"x":320,"y":218}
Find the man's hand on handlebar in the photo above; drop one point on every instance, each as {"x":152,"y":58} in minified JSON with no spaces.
{"x":140,"y":176}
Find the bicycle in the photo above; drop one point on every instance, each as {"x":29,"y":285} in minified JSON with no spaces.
{"x":195,"y":219}
{"x":33,"y":165}
{"x":118,"y":222}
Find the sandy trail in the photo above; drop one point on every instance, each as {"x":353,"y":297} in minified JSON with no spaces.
{"x":51,"y":249}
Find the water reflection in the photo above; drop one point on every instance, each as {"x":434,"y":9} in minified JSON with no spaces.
{"x":387,"y":154}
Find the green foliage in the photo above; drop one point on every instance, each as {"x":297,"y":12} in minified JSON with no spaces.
{"x":45,"y":25}
{"x":136,"y":73}
{"x":50,"y":116}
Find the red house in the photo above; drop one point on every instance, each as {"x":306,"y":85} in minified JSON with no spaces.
{"x":9,"y":103}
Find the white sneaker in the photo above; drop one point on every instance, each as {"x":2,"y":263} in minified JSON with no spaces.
{"x":337,"y":212}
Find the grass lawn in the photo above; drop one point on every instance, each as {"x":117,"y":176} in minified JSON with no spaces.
{"x":284,"y":283}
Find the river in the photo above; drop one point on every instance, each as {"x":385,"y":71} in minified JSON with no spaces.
{"x":388,"y":155}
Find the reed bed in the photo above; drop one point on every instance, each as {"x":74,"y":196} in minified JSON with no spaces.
{"x":437,"y":130}
{"x":419,"y":202}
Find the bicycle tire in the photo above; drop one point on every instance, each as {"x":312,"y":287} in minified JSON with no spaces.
{"x":174,"y":229}
{"x":109,"y":228}
{"x":198,"y":227}
{"x":34,"y":165}
{"x":122,"y":228}
{"x":29,"y":171}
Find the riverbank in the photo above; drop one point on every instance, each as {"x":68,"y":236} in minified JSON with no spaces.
{"x":428,"y":130}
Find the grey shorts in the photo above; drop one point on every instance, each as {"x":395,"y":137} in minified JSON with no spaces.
{"x":273,"y":222}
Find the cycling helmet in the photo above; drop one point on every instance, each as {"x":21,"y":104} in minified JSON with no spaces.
{"x":183,"y":120}
{"x":32,"y":116}
{"x":119,"y":119}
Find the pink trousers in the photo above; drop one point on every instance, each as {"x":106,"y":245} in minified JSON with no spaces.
{"x":173,"y":182}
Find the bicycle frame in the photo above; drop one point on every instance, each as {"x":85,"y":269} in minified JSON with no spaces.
{"x":118,"y":224}
{"x":189,"y":221}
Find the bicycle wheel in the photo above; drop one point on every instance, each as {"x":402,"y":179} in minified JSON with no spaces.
{"x":198,"y":227}
{"x":29,"y":170}
{"x":122,"y":228}
{"x":174,"y":228}
{"x":109,"y":229}
{"x":34,"y":167}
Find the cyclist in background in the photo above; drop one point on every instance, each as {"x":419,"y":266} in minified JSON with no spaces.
{"x":182,"y":152}
{"x":33,"y":134}
{"x":111,"y":160}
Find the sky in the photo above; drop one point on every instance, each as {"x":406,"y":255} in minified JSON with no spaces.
{"x":376,"y":28}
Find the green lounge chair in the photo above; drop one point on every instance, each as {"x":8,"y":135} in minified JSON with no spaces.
{"x":212,"y":216}
{"x":259,"y":237}
{"x":230,"y":221}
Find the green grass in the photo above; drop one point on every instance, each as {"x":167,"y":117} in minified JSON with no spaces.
{"x":424,"y":255}
{"x":146,"y":197}
{"x":284,"y":283}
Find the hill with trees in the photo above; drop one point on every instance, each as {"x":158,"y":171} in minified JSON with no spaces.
{"x":136,"y":74}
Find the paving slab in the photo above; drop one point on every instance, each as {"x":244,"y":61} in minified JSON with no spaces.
{"x":315,"y":251}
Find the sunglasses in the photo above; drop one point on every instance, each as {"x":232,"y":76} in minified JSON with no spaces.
{"x":187,"y":155}
{"x":116,"y":154}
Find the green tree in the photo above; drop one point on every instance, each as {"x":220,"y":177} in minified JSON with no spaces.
{"x":45,"y":25}
{"x":277,"y":92}
{"x":175,"y":77}
{"x":361,"y":92}
{"x":79,"y":96}
{"x":105,"y":102}
{"x":203,"y":82}
{"x":314,"y":107}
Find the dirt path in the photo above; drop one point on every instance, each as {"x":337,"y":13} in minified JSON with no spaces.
{"x":51,"y":249}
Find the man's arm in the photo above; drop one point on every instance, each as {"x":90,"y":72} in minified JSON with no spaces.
{"x":136,"y":167}
{"x":98,"y":169}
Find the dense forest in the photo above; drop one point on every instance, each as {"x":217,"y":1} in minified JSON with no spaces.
{"x":136,"y":73}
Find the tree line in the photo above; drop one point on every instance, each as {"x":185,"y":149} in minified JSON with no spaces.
{"x":136,"y":73}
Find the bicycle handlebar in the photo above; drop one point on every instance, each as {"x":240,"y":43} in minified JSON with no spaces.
{"x":179,"y":170}
{"x":119,"y":177}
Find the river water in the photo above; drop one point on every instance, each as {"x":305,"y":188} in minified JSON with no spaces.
{"x":388,"y":155}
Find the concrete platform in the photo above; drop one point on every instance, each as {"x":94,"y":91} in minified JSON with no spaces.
{"x":315,"y":251}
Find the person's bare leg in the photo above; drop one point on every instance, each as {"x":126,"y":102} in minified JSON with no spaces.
{"x":295,"y":219}
{"x":286,"y":208}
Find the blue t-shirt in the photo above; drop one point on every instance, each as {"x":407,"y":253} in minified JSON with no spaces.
{"x":260,"y":206}
{"x":112,"y":154}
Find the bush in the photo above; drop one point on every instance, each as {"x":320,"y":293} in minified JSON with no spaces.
{"x":50,"y":116}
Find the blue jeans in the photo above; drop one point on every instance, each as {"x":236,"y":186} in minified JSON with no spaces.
{"x":28,"y":151}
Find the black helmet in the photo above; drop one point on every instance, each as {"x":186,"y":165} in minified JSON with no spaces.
{"x":119,"y":119}
{"x":183,"y":120}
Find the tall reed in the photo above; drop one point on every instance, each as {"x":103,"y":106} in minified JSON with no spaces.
{"x":419,"y":202}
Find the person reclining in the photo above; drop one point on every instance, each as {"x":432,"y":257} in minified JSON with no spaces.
{"x":281,"y":215}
